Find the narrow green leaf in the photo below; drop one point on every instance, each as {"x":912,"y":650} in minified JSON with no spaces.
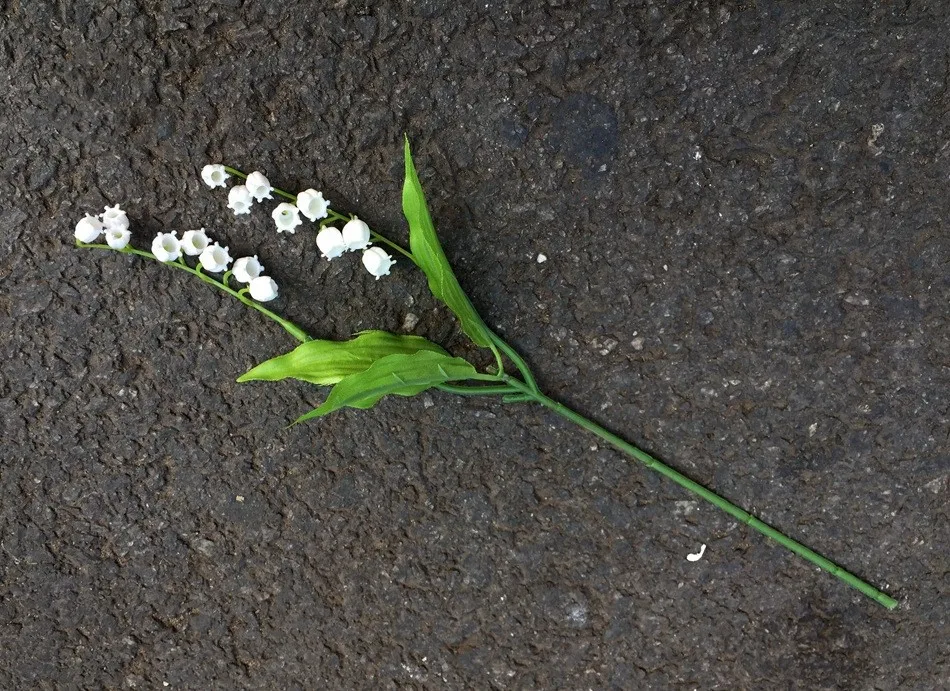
{"x":430,"y":257}
{"x":402,"y":375}
{"x":327,"y":362}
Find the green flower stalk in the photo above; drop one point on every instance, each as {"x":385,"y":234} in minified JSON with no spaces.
{"x":375,"y":364}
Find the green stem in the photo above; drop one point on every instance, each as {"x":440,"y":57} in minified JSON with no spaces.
{"x":289,"y":326}
{"x":713,"y":498}
{"x":515,"y":358}
{"x":333,"y":215}
{"x":499,"y":362}
{"x":386,"y":241}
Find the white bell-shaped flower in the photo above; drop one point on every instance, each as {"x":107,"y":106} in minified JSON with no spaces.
{"x":194,"y":242}
{"x":246,"y":269}
{"x":117,"y":238}
{"x":263,"y":289}
{"x":377,"y":262}
{"x":88,"y":229}
{"x":240,"y":200}
{"x":259,"y":186}
{"x":287,"y":218}
{"x":214,"y":175}
{"x":312,"y":204}
{"x":356,"y":235}
{"x":166,"y":247}
{"x":215,"y":258}
{"x":330,"y":242}
{"x":114,"y":217}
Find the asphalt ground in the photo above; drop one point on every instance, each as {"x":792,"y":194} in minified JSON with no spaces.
{"x":743,"y":208}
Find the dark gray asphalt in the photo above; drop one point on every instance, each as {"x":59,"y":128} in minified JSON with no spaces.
{"x":745,"y":215}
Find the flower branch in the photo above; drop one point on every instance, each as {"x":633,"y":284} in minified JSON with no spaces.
{"x":375,"y":364}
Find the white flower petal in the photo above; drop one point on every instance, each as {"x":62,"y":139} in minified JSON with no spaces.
{"x":356,"y":235}
{"x":259,"y":186}
{"x":240,"y":200}
{"x":246,"y":269}
{"x":194,"y":242}
{"x":115,"y":217}
{"x":263,"y":289}
{"x":88,"y":229}
{"x":312,"y":204}
{"x":215,"y":258}
{"x":287,"y":217}
{"x":117,"y":238}
{"x":377,"y":262}
{"x":330,"y":242}
{"x":166,"y":247}
{"x":214,"y":175}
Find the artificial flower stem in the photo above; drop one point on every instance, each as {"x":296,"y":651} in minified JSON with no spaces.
{"x":332,"y":216}
{"x":499,"y":361}
{"x":386,"y":241}
{"x":515,"y":358}
{"x":289,"y":326}
{"x":713,"y":498}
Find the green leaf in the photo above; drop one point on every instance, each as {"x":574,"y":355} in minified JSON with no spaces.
{"x":430,"y":257}
{"x":327,"y":362}
{"x":403,"y":375}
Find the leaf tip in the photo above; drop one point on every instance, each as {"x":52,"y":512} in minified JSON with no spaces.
{"x":407,"y":153}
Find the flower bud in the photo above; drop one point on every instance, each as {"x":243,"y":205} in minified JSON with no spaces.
{"x":88,"y":229}
{"x":240,"y":200}
{"x":166,"y":247}
{"x":377,"y":262}
{"x":330,"y":242}
{"x":356,"y":235}
{"x":214,"y":175}
{"x":287,"y":218}
{"x":114,"y":217}
{"x":215,"y":258}
{"x":194,"y":242}
{"x":259,"y":186}
{"x":263,"y":289}
{"x":117,"y":238}
{"x":246,"y":269}
{"x":312,"y":204}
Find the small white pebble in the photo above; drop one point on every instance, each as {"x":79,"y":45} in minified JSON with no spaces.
{"x":542,"y":258}
{"x":698,"y":555}
{"x":410,"y":321}
{"x":239,"y":498}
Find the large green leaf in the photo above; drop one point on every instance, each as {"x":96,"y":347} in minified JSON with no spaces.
{"x":403,"y":375}
{"x":327,"y":362}
{"x":430,"y":257}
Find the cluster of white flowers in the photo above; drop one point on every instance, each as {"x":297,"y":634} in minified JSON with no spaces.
{"x":331,"y":241}
{"x":355,"y":235}
{"x":113,"y":222}
{"x":215,"y":259}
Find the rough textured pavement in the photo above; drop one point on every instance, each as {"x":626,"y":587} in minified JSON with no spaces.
{"x":744,"y":210}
